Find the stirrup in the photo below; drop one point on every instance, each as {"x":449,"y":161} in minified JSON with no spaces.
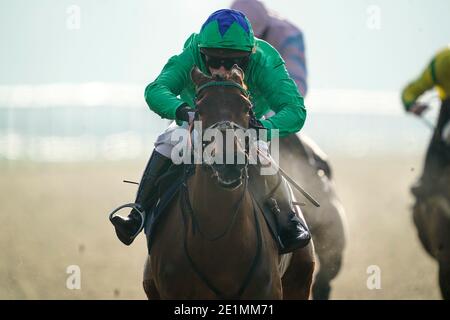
{"x":134,"y":206}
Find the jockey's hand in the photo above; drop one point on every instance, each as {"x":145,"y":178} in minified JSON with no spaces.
{"x":418,"y":109}
{"x":255,"y":123}
{"x":185,"y":113}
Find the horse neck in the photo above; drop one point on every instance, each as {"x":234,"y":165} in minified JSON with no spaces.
{"x":214,"y":206}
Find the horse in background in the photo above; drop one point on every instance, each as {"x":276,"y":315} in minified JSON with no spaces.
{"x":327,"y":223}
{"x":431,"y":217}
{"x":431,"y":211}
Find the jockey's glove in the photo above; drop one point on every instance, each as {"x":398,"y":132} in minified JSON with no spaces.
{"x":254,"y":123}
{"x":185,"y":113}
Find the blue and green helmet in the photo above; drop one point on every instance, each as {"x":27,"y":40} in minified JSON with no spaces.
{"x":227,"y":29}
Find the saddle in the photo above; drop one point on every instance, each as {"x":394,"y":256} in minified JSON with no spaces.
{"x":168,"y":186}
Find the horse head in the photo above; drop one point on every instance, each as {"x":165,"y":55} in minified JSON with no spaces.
{"x":223,"y":107}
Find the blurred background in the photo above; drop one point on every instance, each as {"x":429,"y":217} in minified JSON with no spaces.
{"x":74,"y":124}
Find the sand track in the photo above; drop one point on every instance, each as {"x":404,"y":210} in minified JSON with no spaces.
{"x":55,"y":215}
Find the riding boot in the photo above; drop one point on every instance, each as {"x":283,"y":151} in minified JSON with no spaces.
{"x":293,"y":231}
{"x":128,"y":228}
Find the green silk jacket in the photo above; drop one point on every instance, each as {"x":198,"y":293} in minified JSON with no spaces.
{"x":268,"y":82}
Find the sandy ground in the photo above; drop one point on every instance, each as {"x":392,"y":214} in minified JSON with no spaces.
{"x":55,"y":215}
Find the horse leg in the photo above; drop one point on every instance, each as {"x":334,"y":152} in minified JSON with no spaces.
{"x":298,"y":277}
{"x":329,"y":241}
{"x":444,"y":278}
{"x":443,"y":255}
{"x":419,"y":212}
{"x":150,"y":290}
{"x":148,"y":283}
{"x":329,"y":267}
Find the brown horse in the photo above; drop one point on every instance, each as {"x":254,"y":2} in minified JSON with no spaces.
{"x":432,"y":219}
{"x":214,"y":242}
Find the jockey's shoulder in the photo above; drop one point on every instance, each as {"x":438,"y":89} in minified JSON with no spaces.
{"x":192,"y":40}
{"x":443,"y":52}
{"x":266,"y":54}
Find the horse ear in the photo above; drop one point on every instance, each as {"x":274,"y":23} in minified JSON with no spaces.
{"x":197,"y":76}
{"x":237,"y":74}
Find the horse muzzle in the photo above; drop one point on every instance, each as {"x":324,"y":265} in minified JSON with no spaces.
{"x":229,"y":176}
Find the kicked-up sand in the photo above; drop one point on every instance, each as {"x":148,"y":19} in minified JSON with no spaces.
{"x":54,"y":216}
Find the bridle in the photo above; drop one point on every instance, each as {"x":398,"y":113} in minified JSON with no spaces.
{"x":226,"y":125}
{"x":221,"y":126}
{"x":224,"y":83}
{"x":187,"y":210}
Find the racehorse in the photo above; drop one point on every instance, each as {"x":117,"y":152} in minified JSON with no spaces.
{"x":327,"y":223}
{"x":213,"y":242}
{"x":431,"y":213}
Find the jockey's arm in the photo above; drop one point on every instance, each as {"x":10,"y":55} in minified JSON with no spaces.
{"x":416,"y":88}
{"x":436,"y":74}
{"x":161,"y":94}
{"x":292,"y":50}
{"x":284,"y":99}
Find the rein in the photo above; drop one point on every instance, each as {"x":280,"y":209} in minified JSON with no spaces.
{"x":186,"y":209}
{"x":195,"y":224}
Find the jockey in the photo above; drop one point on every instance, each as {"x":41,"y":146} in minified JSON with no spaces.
{"x":225,"y":39}
{"x":436,"y":75}
{"x":288,"y":40}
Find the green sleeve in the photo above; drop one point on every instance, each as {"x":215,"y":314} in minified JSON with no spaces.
{"x":282,"y":94}
{"x":161,"y":95}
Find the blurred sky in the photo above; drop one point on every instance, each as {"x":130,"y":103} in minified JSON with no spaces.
{"x":129,"y":41}
{"x":49,"y":72}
